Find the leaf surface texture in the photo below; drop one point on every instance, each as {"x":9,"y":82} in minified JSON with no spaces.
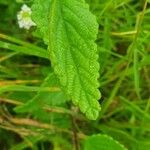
{"x":69,"y":29}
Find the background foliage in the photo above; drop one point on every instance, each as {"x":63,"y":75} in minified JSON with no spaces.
{"x":34,"y":112}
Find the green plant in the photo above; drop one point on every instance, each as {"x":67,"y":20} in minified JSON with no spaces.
{"x":102,"y":142}
{"x":70,"y":31}
{"x":51,"y":75}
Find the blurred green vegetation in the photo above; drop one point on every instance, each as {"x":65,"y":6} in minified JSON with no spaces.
{"x":35,"y":114}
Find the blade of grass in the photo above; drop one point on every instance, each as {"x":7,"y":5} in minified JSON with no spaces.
{"x":130,"y":54}
{"x":8,"y":56}
{"x":20,"y":88}
{"x":19,"y":42}
{"x":24,"y":50}
{"x":134,"y":108}
{"x":135,"y":55}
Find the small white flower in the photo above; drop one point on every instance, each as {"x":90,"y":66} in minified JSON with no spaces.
{"x":24,"y":17}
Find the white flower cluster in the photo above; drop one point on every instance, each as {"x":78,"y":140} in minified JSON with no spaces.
{"x":24,"y":17}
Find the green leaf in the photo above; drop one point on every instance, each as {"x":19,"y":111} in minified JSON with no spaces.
{"x":102,"y":142}
{"x":70,"y":31}
{"x":40,"y":15}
